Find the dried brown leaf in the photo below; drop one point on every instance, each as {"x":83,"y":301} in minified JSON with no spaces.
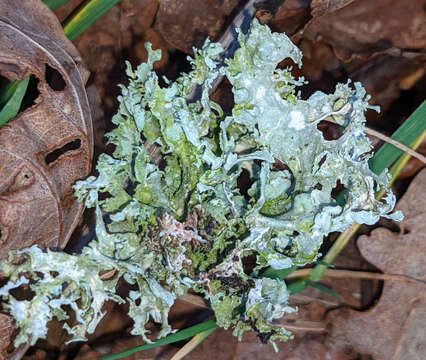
{"x":364,"y":27}
{"x":187,"y":23}
{"x":6,"y":331}
{"x":48,"y":146}
{"x":395,"y":327}
{"x":322,"y":7}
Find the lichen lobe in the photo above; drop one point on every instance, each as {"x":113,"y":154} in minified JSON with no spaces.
{"x":187,"y":224}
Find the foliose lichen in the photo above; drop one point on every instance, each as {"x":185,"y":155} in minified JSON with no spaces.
{"x":181,"y":221}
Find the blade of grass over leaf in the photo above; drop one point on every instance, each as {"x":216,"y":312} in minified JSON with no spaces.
{"x":278,"y":274}
{"x":192,"y":344}
{"x":85,"y":16}
{"x":180,"y":335}
{"x":323,"y":288}
{"x":297,"y":286}
{"x":54,"y":4}
{"x":406,"y":134}
{"x":7,"y":91}
{"x":11,"y":108}
{"x":11,"y":95}
{"x":355,"y":274}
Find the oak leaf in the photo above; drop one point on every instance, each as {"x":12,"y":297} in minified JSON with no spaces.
{"x":187,"y":23}
{"x":394,"y":328}
{"x":48,"y":146}
{"x":363,"y":27}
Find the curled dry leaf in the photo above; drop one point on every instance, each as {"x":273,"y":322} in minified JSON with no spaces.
{"x":322,"y":7}
{"x":187,"y":23}
{"x":395,"y":327}
{"x":365,"y":27}
{"x":48,"y":146}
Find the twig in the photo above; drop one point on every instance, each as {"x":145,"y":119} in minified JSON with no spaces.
{"x":316,"y":327}
{"x":355,"y":274}
{"x":194,"y":300}
{"x":395,"y":143}
{"x":19,"y":354}
{"x":229,"y":39}
{"x":389,"y":140}
{"x":229,"y":42}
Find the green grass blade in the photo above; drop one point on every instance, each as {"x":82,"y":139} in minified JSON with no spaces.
{"x":180,"y":335}
{"x":278,"y":274}
{"x":406,"y":134}
{"x":11,"y":108}
{"x":192,"y":344}
{"x":297,"y":286}
{"x":54,"y":4}
{"x":7,"y":91}
{"x":323,"y":288}
{"x":85,"y":16}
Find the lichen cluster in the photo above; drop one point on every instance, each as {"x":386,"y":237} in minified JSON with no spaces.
{"x":172,"y":214}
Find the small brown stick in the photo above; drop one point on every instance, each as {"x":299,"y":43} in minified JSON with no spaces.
{"x":229,"y":42}
{"x":315,"y":327}
{"x":396,"y":144}
{"x":389,"y":140}
{"x":229,"y":39}
{"x":354,"y":274}
{"x":194,"y":300}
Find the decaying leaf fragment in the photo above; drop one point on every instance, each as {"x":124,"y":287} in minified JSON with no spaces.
{"x":183,"y":222}
{"x":363,"y":28}
{"x":48,"y":146}
{"x":395,"y":327}
{"x":6,"y":331}
{"x":185,"y":23}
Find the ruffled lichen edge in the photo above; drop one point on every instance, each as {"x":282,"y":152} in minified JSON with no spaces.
{"x":181,"y":221}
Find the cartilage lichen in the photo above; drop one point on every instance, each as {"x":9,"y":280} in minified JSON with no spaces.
{"x":183,"y":222}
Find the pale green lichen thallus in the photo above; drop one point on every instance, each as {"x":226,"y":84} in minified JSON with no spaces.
{"x":182,"y":222}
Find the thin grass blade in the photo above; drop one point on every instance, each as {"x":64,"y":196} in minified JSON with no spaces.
{"x":406,"y":134}
{"x":297,"y":286}
{"x":7,"y":91}
{"x":323,"y":288}
{"x":278,"y":274}
{"x":85,"y":16}
{"x":180,"y":335}
{"x":54,"y":4}
{"x":192,"y":344}
{"x":11,"y":108}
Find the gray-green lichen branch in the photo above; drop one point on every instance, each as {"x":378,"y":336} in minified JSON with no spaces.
{"x":184,"y":222}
